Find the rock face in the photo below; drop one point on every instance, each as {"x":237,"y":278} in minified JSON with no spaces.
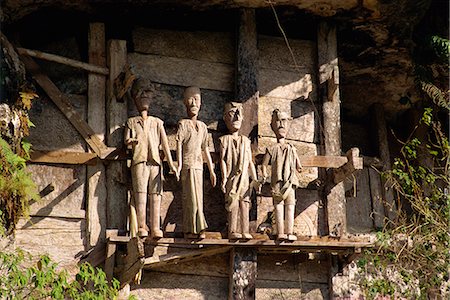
{"x":14,"y":10}
{"x":377,"y":57}
{"x":375,"y":38}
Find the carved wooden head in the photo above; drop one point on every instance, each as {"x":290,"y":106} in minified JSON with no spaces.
{"x":233,"y":116}
{"x":142,"y":93}
{"x":192,"y":100}
{"x":280,"y":123}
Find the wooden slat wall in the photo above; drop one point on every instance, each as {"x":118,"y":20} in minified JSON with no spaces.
{"x":359,"y":206}
{"x":61,"y":238}
{"x":291,"y":276}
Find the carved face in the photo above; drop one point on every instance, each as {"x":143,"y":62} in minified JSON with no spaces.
{"x":233,"y":116}
{"x":192,"y":101}
{"x":142,"y":93}
{"x":143,"y":98}
{"x":280,"y":123}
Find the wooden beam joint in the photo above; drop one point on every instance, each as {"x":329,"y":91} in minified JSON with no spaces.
{"x":354,"y":162}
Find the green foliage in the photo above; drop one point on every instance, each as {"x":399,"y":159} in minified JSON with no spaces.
{"x":441,"y":47}
{"x":380,"y":287}
{"x":427,"y":74}
{"x":21,"y":278}
{"x":412,"y":258}
{"x":17,"y":188}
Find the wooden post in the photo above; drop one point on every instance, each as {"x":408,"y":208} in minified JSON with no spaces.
{"x":376,"y":195}
{"x":380,"y":132}
{"x":247,"y":71}
{"x":243,"y":271}
{"x":110,"y":254}
{"x":338,"y":278}
{"x":329,"y":80}
{"x":96,"y":195}
{"x":117,"y":115}
{"x":247,"y":83}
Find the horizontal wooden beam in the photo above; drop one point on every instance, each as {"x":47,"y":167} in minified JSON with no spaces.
{"x":63,"y":60}
{"x":165,"y":70}
{"x":111,"y":153}
{"x":318,"y":244}
{"x":63,"y":157}
{"x":320,"y":161}
{"x":323,"y":161}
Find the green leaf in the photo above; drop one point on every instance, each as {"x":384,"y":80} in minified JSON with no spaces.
{"x":441,"y":47}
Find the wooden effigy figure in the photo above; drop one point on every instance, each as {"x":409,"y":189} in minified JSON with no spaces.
{"x":145,"y":135}
{"x":285,"y":166}
{"x":192,"y":142}
{"x":236,"y":167}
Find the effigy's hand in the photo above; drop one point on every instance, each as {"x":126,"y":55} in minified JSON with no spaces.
{"x":224,"y":184}
{"x":175,"y":172}
{"x":255,"y":184}
{"x":261,"y":181}
{"x":132,"y":141}
{"x":213,"y":179}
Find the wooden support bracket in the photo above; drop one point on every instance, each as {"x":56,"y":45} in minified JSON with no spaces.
{"x":95,"y":256}
{"x":354,"y":162}
{"x":156,"y":261}
{"x":134,"y":261}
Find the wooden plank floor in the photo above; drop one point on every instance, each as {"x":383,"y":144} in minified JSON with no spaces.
{"x":321,"y":244}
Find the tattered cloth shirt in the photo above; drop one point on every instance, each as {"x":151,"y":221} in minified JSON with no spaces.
{"x":193,"y":137}
{"x":237,"y":155}
{"x":146,"y":166}
{"x":148,"y":133}
{"x":283,"y":158}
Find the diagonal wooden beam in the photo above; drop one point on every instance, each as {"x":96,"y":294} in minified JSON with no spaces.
{"x":64,"y":60}
{"x":182,"y":256}
{"x":63,"y":103}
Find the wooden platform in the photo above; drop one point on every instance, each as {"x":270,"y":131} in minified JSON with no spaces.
{"x":261,"y":241}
